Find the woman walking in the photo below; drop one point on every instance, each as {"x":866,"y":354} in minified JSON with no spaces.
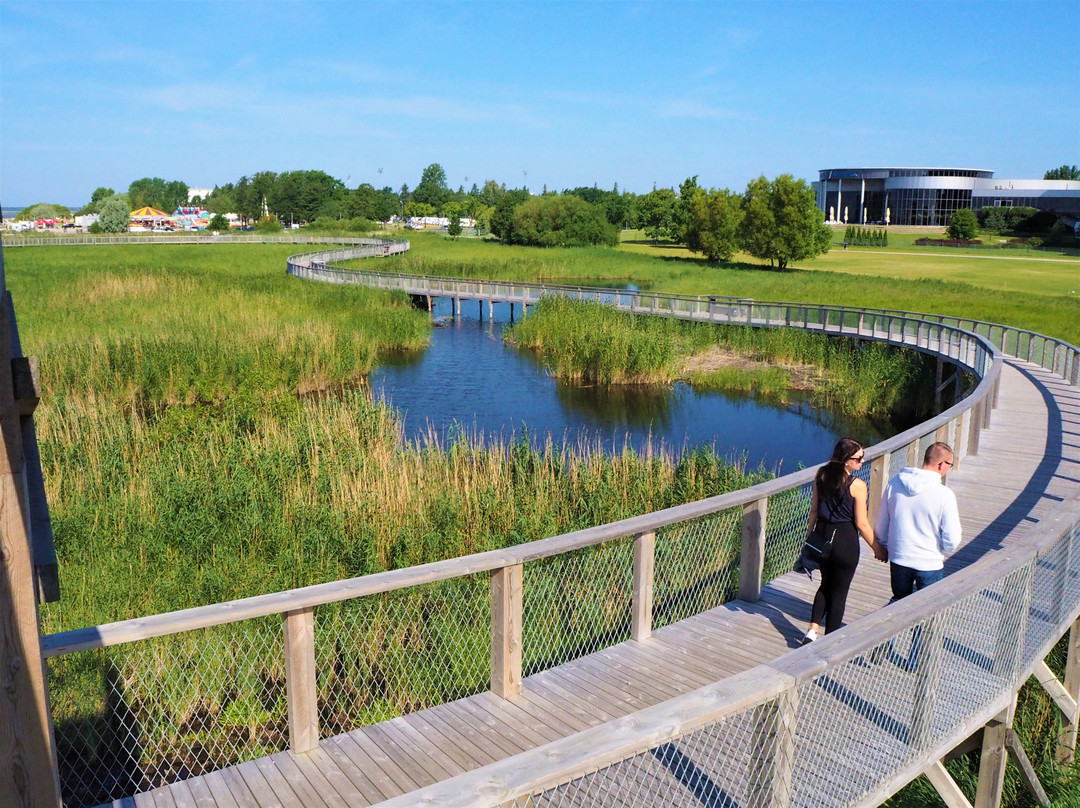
{"x":839,"y":503}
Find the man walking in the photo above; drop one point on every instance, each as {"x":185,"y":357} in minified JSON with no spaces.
{"x":918,"y":522}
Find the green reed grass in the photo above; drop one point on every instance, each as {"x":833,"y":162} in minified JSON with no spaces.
{"x":590,"y":342}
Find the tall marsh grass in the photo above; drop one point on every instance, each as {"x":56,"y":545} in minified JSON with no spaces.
{"x":594,"y":343}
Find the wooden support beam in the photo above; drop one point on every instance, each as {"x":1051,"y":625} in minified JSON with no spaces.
{"x":506,"y":630}
{"x":946,"y":787}
{"x":773,"y":751}
{"x":1020,"y":758}
{"x":1055,"y":689}
{"x":975,"y":420}
{"x":644,"y":560}
{"x":992,"y":759}
{"x":1066,"y":749}
{"x":300,"y":691}
{"x":927,"y":647}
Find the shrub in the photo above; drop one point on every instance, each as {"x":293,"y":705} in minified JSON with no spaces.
{"x":963,"y":225}
{"x":219,"y":223}
{"x":268,"y":224}
{"x":561,"y":220}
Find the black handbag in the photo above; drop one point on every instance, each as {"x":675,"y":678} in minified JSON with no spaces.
{"x":818,"y":546}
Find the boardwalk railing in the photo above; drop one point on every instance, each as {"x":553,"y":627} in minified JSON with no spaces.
{"x":891,"y":325}
{"x":143,"y":702}
{"x":942,"y":664}
{"x":199,"y":238}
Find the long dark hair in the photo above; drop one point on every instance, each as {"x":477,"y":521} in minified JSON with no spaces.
{"x":831,"y":477}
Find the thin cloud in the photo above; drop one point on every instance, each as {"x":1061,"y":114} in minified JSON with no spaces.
{"x":690,"y":108}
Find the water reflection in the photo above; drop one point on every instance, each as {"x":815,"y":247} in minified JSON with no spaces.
{"x":635,"y":406}
{"x":468,"y":382}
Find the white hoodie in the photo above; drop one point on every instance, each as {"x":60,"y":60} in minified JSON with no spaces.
{"x":918,"y":520}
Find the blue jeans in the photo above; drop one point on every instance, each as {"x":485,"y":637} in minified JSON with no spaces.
{"x":906,"y":581}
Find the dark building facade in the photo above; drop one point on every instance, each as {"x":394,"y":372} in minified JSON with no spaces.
{"x":929,"y":196}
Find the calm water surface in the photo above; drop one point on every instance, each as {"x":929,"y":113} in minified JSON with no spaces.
{"x":469,"y":382}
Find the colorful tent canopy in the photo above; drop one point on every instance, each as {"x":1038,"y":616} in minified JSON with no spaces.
{"x":149,"y":213}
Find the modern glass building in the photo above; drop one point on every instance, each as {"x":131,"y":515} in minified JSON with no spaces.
{"x":929,"y":196}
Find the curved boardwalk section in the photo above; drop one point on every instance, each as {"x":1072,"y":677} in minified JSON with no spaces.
{"x":647,"y":662}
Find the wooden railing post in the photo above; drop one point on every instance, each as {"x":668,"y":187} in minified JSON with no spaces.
{"x":772,"y":756}
{"x":1012,"y":621}
{"x":644,"y":561}
{"x":300,"y":688}
{"x":506,"y":630}
{"x":992,"y":759}
{"x":975,"y":421}
{"x":28,"y":771}
{"x":752,"y":561}
{"x":959,"y":444}
{"x":879,"y":478}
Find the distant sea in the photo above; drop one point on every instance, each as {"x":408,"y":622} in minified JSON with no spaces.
{"x":9,"y":212}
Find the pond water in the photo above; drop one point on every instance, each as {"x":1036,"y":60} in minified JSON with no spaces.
{"x":468,"y":382}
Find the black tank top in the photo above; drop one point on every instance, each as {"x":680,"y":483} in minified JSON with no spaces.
{"x":839,"y":508}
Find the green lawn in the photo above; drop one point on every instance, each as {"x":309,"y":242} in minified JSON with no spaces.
{"x":1024,"y":291}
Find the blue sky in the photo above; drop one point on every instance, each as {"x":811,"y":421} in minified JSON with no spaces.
{"x":545,"y":93}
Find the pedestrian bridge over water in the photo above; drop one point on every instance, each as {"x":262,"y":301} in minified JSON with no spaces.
{"x":652,"y":661}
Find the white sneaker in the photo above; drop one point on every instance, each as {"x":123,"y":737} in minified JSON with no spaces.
{"x":809,"y":637}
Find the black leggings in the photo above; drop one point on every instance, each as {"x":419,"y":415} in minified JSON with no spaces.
{"x":836,"y":574}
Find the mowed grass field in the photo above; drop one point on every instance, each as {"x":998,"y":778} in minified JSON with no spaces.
{"x":1028,"y":290}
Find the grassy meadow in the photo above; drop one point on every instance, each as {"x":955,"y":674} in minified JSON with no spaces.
{"x":1027,"y":292}
{"x":206,"y":426}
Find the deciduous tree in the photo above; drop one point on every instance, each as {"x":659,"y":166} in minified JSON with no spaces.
{"x":561,"y":220}
{"x":713,"y":225}
{"x":1063,"y":172}
{"x":781,"y":221}
{"x":432,"y":189}
{"x":115,"y":214}
{"x":657,"y":212}
{"x":502,"y":217}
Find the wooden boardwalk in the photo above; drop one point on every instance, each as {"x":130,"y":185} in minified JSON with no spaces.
{"x":1028,"y":462}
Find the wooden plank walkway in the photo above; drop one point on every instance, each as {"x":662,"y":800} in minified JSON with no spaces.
{"x":1029,"y":460}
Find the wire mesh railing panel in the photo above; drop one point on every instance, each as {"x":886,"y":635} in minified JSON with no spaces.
{"x":134,"y":717}
{"x":696,"y":566}
{"x":924,"y":443}
{"x":386,"y":655}
{"x":898,"y":460}
{"x":731,"y":763}
{"x":1053,"y":595}
{"x":786,"y":524}
{"x":981,"y":641}
{"x":576,"y":603}
{"x":865,"y":719}
{"x":1055,"y":591}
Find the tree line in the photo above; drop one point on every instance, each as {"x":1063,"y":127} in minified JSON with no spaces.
{"x":775,"y":220}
